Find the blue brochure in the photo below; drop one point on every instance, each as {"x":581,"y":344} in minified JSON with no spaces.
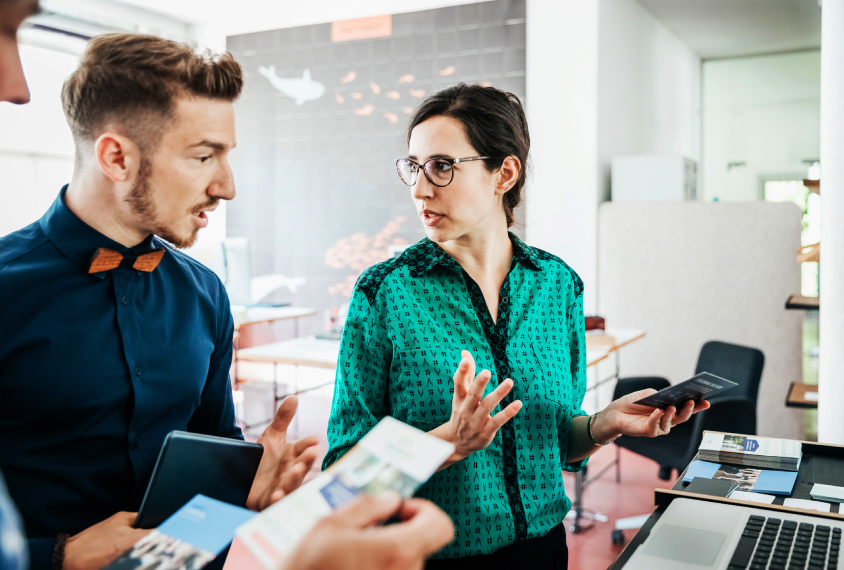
{"x":189,"y":539}
{"x":749,"y":479}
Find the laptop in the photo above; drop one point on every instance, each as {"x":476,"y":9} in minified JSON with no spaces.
{"x":699,"y":535}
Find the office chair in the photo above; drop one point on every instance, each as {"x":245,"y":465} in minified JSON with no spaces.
{"x":735,"y":412}
{"x":740,"y":364}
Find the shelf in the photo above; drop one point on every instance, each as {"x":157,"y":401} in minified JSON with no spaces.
{"x":803,"y":303}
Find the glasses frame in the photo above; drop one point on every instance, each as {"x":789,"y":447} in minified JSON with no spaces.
{"x":451,"y":161}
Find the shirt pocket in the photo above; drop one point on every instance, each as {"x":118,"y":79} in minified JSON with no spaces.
{"x":427,"y":385}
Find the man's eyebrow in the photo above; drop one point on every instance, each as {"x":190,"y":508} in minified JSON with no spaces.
{"x":210,"y":144}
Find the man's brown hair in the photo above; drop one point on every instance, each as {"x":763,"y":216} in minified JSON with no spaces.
{"x":131,"y":81}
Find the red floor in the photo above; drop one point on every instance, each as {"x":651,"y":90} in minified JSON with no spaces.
{"x":593,"y":549}
{"x":589,"y":550}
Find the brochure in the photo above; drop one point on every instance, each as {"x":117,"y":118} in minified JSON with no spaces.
{"x":391,"y":457}
{"x":751,"y":451}
{"x":747,"y":478}
{"x":191,"y":538}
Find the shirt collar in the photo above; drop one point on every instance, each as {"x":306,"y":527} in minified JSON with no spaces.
{"x":425,"y":255}
{"x":77,"y":240}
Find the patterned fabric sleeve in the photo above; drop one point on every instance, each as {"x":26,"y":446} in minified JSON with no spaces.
{"x":577,"y":344}
{"x":361,"y":389}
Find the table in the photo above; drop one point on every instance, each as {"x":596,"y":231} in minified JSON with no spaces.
{"x":623,"y":337}
{"x":797,"y":396}
{"x":821,"y":463}
{"x":245,"y":316}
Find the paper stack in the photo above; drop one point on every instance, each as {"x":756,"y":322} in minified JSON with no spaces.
{"x":751,"y":451}
{"x":829,"y":493}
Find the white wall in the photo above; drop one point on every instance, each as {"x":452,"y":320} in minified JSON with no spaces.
{"x":604,"y":78}
{"x":36,"y":149}
{"x":648,"y":88}
{"x":561,"y":213}
{"x":763,"y":112}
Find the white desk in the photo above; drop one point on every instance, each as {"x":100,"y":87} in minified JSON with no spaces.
{"x":304,"y":351}
{"x":244,"y":316}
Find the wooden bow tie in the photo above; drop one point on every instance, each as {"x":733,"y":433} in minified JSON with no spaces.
{"x":105,"y":259}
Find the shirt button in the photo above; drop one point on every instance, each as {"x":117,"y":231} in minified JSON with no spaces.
{"x":137,"y":371}
{"x":505,"y":300}
{"x":125,"y":300}
{"x":137,"y":441}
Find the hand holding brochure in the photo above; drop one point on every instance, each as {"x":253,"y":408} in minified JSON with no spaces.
{"x":191,"y":538}
{"x":391,"y":457}
{"x":699,"y":387}
{"x":751,"y":451}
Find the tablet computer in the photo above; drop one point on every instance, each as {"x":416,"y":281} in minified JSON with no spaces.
{"x":190,"y":464}
{"x":699,"y":387}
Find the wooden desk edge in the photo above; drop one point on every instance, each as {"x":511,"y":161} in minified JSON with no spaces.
{"x":664,"y":497}
{"x":632,"y":340}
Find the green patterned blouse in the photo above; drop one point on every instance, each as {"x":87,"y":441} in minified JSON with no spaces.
{"x":408,"y":321}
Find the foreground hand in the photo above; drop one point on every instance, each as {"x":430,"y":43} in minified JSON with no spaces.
{"x":623,"y":417}
{"x":284,"y":465}
{"x":471,"y":427}
{"x":102,"y":543}
{"x":349,"y":538}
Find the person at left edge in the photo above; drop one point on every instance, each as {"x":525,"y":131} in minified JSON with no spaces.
{"x":13,"y":89}
{"x":110,"y":338}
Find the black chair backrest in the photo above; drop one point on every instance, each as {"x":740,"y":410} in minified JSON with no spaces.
{"x":732,"y":415}
{"x":626,"y":386}
{"x":740,"y":364}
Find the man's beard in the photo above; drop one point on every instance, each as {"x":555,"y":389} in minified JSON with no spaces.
{"x":140,"y":199}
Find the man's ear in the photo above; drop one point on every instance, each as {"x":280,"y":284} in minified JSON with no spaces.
{"x":508,"y":174}
{"x":117,"y":156}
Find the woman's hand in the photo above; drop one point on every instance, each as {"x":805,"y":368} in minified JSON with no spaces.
{"x":624,"y":417}
{"x":471,"y":427}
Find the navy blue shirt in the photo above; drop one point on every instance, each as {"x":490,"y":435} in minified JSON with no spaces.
{"x":96,"y":369}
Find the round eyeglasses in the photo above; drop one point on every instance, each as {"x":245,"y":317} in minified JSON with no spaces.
{"x":438,"y":171}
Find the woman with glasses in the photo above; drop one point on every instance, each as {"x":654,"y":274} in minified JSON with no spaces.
{"x":472,"y":296}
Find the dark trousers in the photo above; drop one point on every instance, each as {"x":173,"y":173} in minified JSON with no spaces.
{"x":547,"y":552}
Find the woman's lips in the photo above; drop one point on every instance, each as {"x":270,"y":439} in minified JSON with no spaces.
{"x":431,"y":219}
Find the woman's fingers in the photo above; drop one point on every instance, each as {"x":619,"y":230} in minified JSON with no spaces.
{"x":494,"y":398}
{"x":460,"y":378}
{"x":665,"y":420}
{"x":505,"y":415}
{"x":476,"y":391}
{"x":684,"y":413}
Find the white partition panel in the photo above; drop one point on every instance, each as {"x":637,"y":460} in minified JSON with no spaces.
{"x":688,"y":273}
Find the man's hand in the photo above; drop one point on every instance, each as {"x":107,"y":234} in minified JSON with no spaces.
{"x":101,"y":544}
{"x":284,"y":465}
{"x":349,"y":539}
{"x":471,"y":428}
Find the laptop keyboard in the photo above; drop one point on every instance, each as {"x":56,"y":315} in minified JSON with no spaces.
{"x":774,"y":544}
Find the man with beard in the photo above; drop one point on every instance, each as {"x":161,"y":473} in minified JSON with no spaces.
{"x":110,"y":338}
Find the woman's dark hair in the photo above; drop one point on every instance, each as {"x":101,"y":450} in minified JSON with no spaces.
{"x":495,"y":125}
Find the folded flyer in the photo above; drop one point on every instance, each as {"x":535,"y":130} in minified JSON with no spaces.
{"x":392,"y":457}
{"x":748,"y":479}
{"x":191,"y":538}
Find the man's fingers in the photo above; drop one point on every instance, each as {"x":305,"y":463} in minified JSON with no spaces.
{"x":505,"y":415}
{"x":304,"y":444}
{"x":425,"y":526}
{"x":366,"y":510}
{"x":284,"y":415}
{"x":494,"y":398}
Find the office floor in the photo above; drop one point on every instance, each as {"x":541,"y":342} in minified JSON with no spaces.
{"x":589,"y":550}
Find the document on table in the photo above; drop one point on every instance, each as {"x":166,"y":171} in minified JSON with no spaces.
{"x":753,"y":497}
{"x":804,"y":504}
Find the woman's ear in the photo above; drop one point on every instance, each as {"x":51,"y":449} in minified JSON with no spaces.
{"x":508,"y":175}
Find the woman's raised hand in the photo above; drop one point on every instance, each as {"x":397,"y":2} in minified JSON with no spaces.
{"x":471,"y":427}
